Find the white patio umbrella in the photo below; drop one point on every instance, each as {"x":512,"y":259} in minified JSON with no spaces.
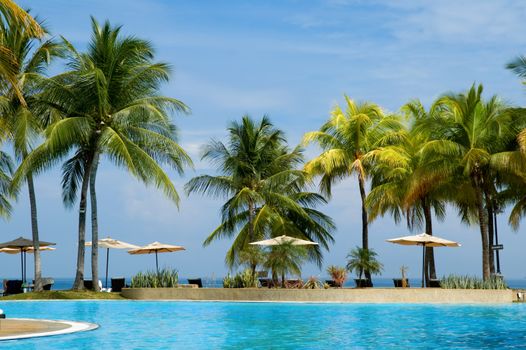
{"x":282,"y":240}
{"x":110,"y":243}
{"x":424,"y":240}
{"x":156,"y":248}
{"x":276,"y":241}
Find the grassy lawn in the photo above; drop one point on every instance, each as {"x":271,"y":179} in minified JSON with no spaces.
{"x":63,"y":294}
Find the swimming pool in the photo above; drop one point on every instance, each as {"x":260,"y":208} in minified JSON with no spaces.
{"x":204,"y":325}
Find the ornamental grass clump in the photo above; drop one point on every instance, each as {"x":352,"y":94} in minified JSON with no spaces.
{"x":244,"y":279}
{"x":338,"y":274}
{"x":166,"y":278}
{"x":313,"y":283}
{"x":471,"y":282}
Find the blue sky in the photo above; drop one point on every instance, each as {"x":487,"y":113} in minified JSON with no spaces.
{"x":292,"y":60}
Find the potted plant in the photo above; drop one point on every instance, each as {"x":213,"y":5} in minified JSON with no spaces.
{"x":361,"y":260}
{"x":402,"y":282}
{"x":338,"y":276}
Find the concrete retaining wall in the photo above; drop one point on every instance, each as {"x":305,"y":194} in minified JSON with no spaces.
{"x":368,"y":295}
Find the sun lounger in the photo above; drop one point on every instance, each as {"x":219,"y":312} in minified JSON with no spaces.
{"x":47,"y":283}
{"x":88,"y":284}
{"x":398,"y":283}
{"x":196,"y":281}
{"x":12,"y":287}
{"x":331,"y":283}
{"x":117,"y":284}
{"x":294,"y":283}
{"x":265,"y":282}
{"x":434,"y":283}
{"x":262,"y":274}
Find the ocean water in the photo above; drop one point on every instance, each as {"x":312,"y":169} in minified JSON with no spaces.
{"x":66,"y":283}
{"x":205,"y":325}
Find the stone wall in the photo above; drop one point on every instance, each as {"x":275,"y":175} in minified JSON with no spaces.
{"x":368,"y":295}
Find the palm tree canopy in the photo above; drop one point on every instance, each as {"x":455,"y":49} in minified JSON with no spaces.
{"x":347,"y":139}
{"x":108,"y":102}
{"x":266,"y":194}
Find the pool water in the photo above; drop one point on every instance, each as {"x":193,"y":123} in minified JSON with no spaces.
{"x":205,"y":325}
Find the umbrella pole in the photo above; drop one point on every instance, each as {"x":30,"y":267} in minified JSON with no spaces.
{"x":22,"y":263}
{"x":107,"y":260}
{"x":157,"y":262}
{"x":25,"y":267}
{"x":423,"y":263}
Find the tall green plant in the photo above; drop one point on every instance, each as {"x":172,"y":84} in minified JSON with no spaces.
{"x":266,"y":196}
{"x":468,"y":143}
{"x":347,"y":140}
{"x":361,"y":260}
{"x":109,"y":104}
{"x":21,"y":124}
{"x":285,"y":259}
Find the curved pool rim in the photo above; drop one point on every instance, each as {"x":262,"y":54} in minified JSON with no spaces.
{"x":74,"y":327}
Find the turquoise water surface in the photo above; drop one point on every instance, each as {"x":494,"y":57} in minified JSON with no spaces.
{"x":204,"y":325}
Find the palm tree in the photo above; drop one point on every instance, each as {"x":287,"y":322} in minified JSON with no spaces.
{"x":110,"y":104}
{"x":11,"y":13}
{"x":468,"y":141}
{"x":405,"y":186}
{"x":285,"y":258}
{"x":348,"y":140}
{"x":31,"y":57}
{"x":361,"y":260}
{"x":266,"y":194}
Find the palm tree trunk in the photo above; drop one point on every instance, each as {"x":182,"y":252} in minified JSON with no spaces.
{"x":34,"y":230}
{"x":483,"y":220}
{"x":78,"y":284}
{"x":365,"y":231}
{"x":429,"y":264}
{"x":251,"y":216}
{"x":94,"y":224}
{"x":491,"y":231}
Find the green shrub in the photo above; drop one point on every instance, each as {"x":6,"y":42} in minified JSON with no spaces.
{"x":166,"y":278}
{"x":244,"y":279}
{"x":471,"y":282}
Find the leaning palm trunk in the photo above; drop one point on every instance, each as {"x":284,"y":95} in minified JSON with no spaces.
{"x":483,"y":220}
{"x":365,"y":230}
{"x":94,"y":224}
{"x":34,"y":230}
{"x":429,"y":262}
{"x":78,"y":284}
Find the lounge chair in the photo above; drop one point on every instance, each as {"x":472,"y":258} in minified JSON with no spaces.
{"x":294,"y":283}
{"x":47,"y":283}
{"x":434,"y":283}
{"x":398,"y":283}
{"x":117,"y":284}
{"x":88,"y":284}
{"x":197,"y":281}
{"x":265,"y":282}
{"x":262,"y":274}
{"x":331,"y":283}
{"x":12,"y":287}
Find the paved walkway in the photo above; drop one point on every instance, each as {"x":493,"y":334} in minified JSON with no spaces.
{"x":28,"y":328}
{"x":23,"y":327}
